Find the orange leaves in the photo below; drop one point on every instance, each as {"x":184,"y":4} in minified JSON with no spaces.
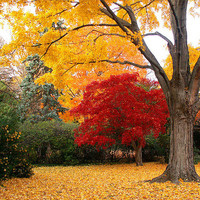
{"x":122,"y":181}
{"x":197,"y":119}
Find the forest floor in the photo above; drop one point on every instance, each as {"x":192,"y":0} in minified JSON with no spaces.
{"x":120,"y":182}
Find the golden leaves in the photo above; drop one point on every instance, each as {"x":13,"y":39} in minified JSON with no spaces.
{"x":122,"y":181}
{"x":194,"y":54}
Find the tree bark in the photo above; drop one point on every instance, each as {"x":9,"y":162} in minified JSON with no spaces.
{"x":138,"y":156}
{"x":181,"y":159}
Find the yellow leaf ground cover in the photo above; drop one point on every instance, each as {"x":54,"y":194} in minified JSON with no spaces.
{"x":121,"y":181}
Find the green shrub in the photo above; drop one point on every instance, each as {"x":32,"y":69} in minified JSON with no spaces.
{"x":8,"y":107}
{"x":52,"y":142}
{"x":49,"y":142}
{"x":13,"y":162}
{"x":157,"y":149}
{"x":196,"y":155}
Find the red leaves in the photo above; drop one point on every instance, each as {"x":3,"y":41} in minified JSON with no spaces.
{"x":120,"y":108}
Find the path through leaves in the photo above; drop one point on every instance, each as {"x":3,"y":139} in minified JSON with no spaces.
{"x":122,"y":181}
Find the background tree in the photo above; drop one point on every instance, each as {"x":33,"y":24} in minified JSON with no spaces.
{"x":11,"y":75}
{"x":39,"y":102}
{"x":122,"y":109}
{"x":8,"y":107}
{"x":120,"y":20}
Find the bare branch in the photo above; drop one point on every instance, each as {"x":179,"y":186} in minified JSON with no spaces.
{"x":107,"y":34}
{"x":64,"y":10}
{"x":104,"y":34}
{"x":112,"y":61}
{"x":129,"y":10}
{"x":128,"y":63}
{"x":70,"y":68}
{"x":159,"y":72}
{"x":134,"y":28}
{"x":169,"y":43}
{"x":160,"y":35}
{"x":119,"y":55}
{"x":71,"y":93}
{"x":145,"y":6}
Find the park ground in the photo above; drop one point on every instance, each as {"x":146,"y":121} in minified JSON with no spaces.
{"x":120,"y":181}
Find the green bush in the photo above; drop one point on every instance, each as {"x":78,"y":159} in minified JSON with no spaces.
{"x":49,"y":142}
{"x":13,"y":162}
{"x":157,"y":149}
{"x":52,"y":142}
{"x":8,"y":107}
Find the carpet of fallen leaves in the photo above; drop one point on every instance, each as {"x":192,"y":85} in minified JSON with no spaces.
{"x":121,"y":181}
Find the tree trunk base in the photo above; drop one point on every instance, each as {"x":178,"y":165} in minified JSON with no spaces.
{"x":171,"y":175}
{"x":139,"y":164}
{"x":138,"y":156}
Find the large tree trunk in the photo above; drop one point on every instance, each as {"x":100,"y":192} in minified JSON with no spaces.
{"x":181,"y":159}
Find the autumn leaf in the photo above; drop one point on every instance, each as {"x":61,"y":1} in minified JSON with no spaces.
{"x":121,"y":181}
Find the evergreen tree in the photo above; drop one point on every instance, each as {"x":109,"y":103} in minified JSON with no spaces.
{"x":39,"y":102}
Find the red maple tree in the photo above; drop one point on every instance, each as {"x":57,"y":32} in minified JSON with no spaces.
{"x":124,"y":108}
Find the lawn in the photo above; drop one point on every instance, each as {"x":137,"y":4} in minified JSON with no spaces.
{"x":121,"y":181}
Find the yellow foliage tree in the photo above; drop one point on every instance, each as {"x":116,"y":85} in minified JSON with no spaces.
{"x":69,"y":48}
{"x":98,"y":36}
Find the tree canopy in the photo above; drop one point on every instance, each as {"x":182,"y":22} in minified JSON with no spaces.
{"x":121,"y":110}
{"x":38,"y":102}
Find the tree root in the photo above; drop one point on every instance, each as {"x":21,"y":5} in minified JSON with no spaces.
{"x":171,"y":176}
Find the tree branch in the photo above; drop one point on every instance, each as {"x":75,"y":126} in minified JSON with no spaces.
{"x":169,"y":43}
{"x":71,"y":92}
{"x":160,"y":35}
{"x":64,"y":10}
{"x":7,"y":92}
{"x":175,"y":17}
{"x":145,"y":6}
{"x":74,"y":29}
{"x":134,"y":28}
{"x":70,"y":68}
{"x":7,"y":86}
{"x":104,"y":34}
{"x":114,"y":17}
{"x":107,"y":34}
{"x":111,"y":61}
{"x":194,"y":84}
{"x":128,"y":9}
{"x":128,"y":63}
